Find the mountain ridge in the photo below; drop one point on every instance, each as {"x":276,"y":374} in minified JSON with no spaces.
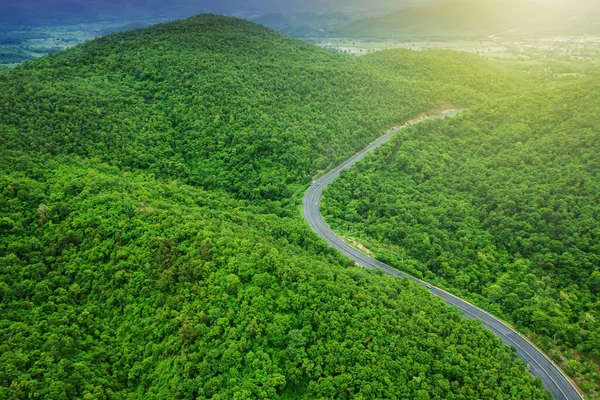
{"x":471,"y":18}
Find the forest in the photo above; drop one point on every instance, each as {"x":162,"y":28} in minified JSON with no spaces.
{"x":500,"y":206}
{"x":152,"y":245}
{"x":240,"y":109}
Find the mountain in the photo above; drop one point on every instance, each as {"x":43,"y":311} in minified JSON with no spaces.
{"x":251,"y":80}
{"x":74,"y":11}
{"x":304,"y":25}
{"x":151,"y":244}
{"x":273,"y":20}
{"x":288,"y":25}
{"x":468,"y":18}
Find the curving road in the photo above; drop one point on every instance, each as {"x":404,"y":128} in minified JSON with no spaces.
{"x":539,"y":364}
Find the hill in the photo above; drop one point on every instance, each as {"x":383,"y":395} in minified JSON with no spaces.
{"x":222,"y":110}
{"x":500,"y":205}
{"x":475,"y":18}
{"x":273,"y":20}
{"x":151,"y":244}
{"x":304,"y":25}
{"x":289,"y":25}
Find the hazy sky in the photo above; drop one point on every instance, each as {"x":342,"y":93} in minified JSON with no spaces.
{"x":12,"y":11}
{"x":31,"y":5}
{"x":31,"y":11}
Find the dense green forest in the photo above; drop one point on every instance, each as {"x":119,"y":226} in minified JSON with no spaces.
{"x":151,"y":243}
{"x":119,"y":285}
{"x":239,"y":108}
{"x":500,"y":205}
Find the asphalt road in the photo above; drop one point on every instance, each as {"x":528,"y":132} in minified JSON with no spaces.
{"x":539,"y":364}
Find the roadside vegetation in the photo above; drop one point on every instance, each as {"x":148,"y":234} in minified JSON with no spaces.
{"x":499,"y":205}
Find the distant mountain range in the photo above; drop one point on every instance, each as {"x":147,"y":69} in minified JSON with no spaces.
{"x":72,"y":11}
{"x":477,"y":18}
{"x":306,"y":25}
{"x":319,"y":18}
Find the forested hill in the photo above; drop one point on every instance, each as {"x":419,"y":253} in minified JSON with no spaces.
{"x":220,"y":103}
{"x":501,"y":206}
{"x":148,"y":247}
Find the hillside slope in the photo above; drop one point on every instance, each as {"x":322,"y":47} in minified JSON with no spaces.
{"x":219,"y":103}
{"x":500,"y":206}
{"x":149,"y":249}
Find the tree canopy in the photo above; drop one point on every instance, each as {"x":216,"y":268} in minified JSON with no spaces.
{"x":151,"y":243}
{"x":499,"y":205}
